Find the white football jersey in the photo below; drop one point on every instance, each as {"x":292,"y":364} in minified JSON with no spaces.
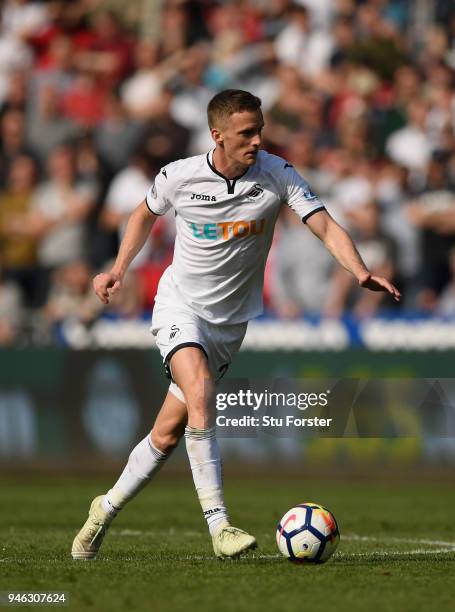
{"x":224,"y":231}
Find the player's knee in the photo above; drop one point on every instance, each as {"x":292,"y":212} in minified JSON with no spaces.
{"x":198,"y":392}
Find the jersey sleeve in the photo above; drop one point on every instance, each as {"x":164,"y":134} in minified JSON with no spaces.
{"x":298,"y":194}
{"x":158,"y":198}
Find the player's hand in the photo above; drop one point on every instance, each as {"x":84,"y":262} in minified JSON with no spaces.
{"x":378,"y":283}
{"x":106,"y":285}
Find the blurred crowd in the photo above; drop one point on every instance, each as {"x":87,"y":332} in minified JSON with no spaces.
{"x":97,"y":95}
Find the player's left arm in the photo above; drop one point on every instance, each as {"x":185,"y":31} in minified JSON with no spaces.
{"x":341,"y":246}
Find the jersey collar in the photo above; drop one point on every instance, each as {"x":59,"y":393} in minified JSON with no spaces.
{"x":229,"y":182}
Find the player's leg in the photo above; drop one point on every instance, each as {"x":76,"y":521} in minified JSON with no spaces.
{"x":190,"y":370}
{"x":148,"y":456}
{"x":143,"y":463}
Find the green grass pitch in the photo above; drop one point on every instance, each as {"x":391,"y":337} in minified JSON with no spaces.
{"x":397,"y":550}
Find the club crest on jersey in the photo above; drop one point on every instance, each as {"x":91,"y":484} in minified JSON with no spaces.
{"x":228,"y":229}
{"x":256,"y":192}
{"x":203,"y":196}
{"x":309,"y":195}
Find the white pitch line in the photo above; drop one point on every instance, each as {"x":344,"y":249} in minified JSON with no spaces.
{"x":152,"y":533}
{"x":357,"y":538}
{"x":353,"y":537}
{"x":396,"y":553}
{"x":443,"y":546}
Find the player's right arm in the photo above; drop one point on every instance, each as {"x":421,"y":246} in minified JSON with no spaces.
{"x":156,"y":203}
{"x":137,"y":231}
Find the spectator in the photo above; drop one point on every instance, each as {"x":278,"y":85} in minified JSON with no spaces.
{"x":13,"y":141}
{"x":164,"y":138}
{"x":379,"y":253}
{"x":352,"y":187}
{"x":71,"y":296}
{"x":233,"y":60}
{"x":126,"y":190}
{"x":284,"y":117}
{"x":60,"y":207}
{"x":298,"y":45}
{"x":275,"y":17}
{"x":11,"y":312}
{"x":116,"y":127}
{"x":108,"y":55}
{"x":84,"y":101}
{"x":47,"y":127}
{"x":192,"y":96}
{"x":292,"y":42}
{"x":446,"y":305}
{"x":392,"y":193}
{"x":431,"y":211}
{"x":16,"y":94}
{"x":388,"y":114}
{"x":15,"y":55}
{"x":410,"y":146}
{"x":56,"y":68}
{"x":298,"y":288}
{"x":174,"y":29}
{"x":23,"y":18}
{"x":301,"y":152}
{"x":88,"y":164}
{"x":343,"y":34}
{"x":140,"y":93}
{"x":18,"y":251}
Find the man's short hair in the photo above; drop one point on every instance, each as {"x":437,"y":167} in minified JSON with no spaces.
{"x":228,"y":102}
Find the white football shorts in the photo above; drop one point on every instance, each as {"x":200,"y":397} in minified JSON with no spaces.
{"x":176,"y":326}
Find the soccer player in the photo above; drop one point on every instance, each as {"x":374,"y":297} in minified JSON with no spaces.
{"x":226,"y":204}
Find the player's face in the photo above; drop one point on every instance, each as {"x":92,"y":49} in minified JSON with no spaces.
{"x":241,"y":137}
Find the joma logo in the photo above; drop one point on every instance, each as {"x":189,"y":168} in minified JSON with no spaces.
{"x":202,"y":196}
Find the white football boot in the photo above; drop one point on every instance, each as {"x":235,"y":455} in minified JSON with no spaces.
{"x":88,"y":541}
{"x":230,"y":542}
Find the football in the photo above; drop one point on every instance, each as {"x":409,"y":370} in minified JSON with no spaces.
{"x":308,"y":533}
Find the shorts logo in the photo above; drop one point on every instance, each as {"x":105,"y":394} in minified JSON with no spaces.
{"x":256,"y":192}
{"x":203,"y":196}
{"x":228,"y":229}
{"x":175,"y":331}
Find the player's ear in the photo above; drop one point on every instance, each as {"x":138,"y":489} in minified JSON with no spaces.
{"x":217,"y":136}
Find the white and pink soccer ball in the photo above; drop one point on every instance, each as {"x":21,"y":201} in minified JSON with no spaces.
{"x":308,"y":533}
